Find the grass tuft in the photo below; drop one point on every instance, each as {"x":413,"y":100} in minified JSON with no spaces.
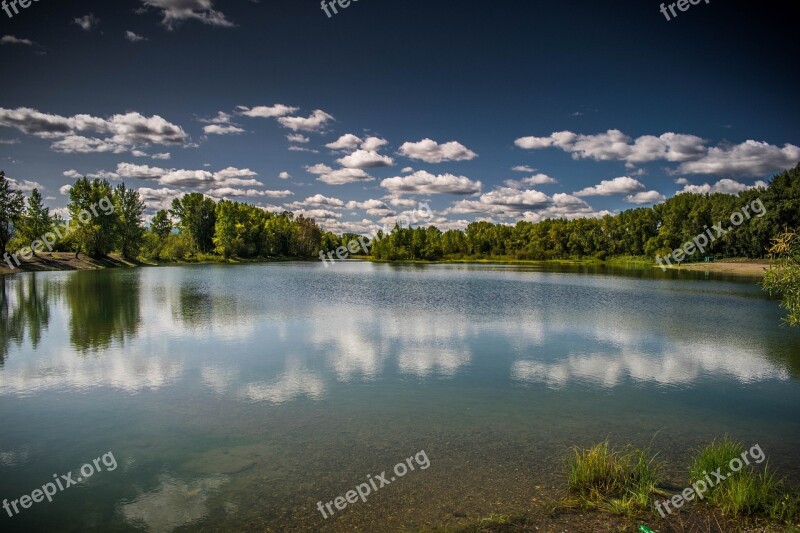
{"x":617,"y":481}
{"x":747,"y":492}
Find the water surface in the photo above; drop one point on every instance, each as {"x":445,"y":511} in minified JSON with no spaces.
{"x":237,"y":397}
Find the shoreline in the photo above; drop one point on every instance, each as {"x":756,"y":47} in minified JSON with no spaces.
{"x":736,"y":267}
{"x":66,"y":261}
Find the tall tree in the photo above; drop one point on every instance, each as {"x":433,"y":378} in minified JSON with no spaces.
{"x":93,"y":219}
{"x":35,"y":220}
{"x":129,"y":209}
{"x":161,"y":224}
{"x":11,"y":206}
{"x":196,"y":216}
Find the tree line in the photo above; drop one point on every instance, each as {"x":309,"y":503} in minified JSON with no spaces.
{"x":643,"y":232}
{"x":197,"y":226}
{"x":105,"y":219}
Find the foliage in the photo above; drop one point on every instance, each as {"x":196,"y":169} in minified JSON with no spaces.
{"x":11,"y":205}
{"x":161,"y":224}
{"x":783,"y":277}
{"x":636,"y":232}
{"x":93,"y":221}
{"x":35,"y":221}
{"x":197,"y":218}
{"x":129,"y":210}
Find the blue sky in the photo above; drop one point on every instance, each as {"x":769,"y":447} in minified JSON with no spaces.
{"x":353,"y":119}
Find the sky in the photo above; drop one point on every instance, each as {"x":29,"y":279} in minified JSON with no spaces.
{"x":508,"y":111}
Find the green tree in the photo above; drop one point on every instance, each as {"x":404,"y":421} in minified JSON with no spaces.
{"x":35,"y":220}
{"x":197,"y":218}
{"x":11,"y":206}
{"x":161,"y":224}
{"x":93,"y":219}
{"x":129,"y":209}
{"x":228,"y":230}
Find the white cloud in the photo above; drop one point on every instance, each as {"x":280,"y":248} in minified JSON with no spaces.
{"x":523,"y":168}
{"x":134,"y":37}
{"x":121,"y":132}
{"x":649,"y":197}
{"x":614,"y":145}
{"x":422,"y":182}
{"x":376,"y":208}
{"x":564,"y":206}
{"x":539,"y":179}
{"x":530,"y":205}
{"x":316,"y":214}
{"x":402,"y":202}
{"x":365,"y":159}
{"x":430,"y":151}
{"x":372,"y":144}
{"x":176,"y":11}
{"x":262,"y":111}
{"x":100,"y":174}
{"x":751,"y":158}
{"x":24,"y":186}
{"x":407,"y":170}
{"x":621,"y":185}
{"x":348,"y":141}
{"x":204,"y":179}
{"x":79,"y":144}
{"x":515,"y":198}
{"x":231,"y":192}
{"x":295,"y":148}
{"x":725,"y":186}
{"x":87,"y":22}
{"x":314,"y":123}
{"x":156,"y":199}
{"x":10,"y":39}
{"x":64,"y":189}
{"x":221,"y":118}
{"x":318,"y":200}
{"x":297,"y":138}
{"x":220,"y":129}
{"x":340,"y":176}
{"x":284,"y":175}
{"x":536,"y":179}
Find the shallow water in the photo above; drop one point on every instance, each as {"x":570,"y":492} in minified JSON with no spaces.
{"x":237,"y":397}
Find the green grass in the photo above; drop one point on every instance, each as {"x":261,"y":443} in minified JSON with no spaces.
{"x":619,"y":481}
{"x":716,"y":455}
{"x":748,"y":492}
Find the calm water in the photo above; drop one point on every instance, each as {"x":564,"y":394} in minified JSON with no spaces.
{"x":237,"y":397}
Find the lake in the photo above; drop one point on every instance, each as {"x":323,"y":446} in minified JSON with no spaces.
{"x":237,"y":397}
